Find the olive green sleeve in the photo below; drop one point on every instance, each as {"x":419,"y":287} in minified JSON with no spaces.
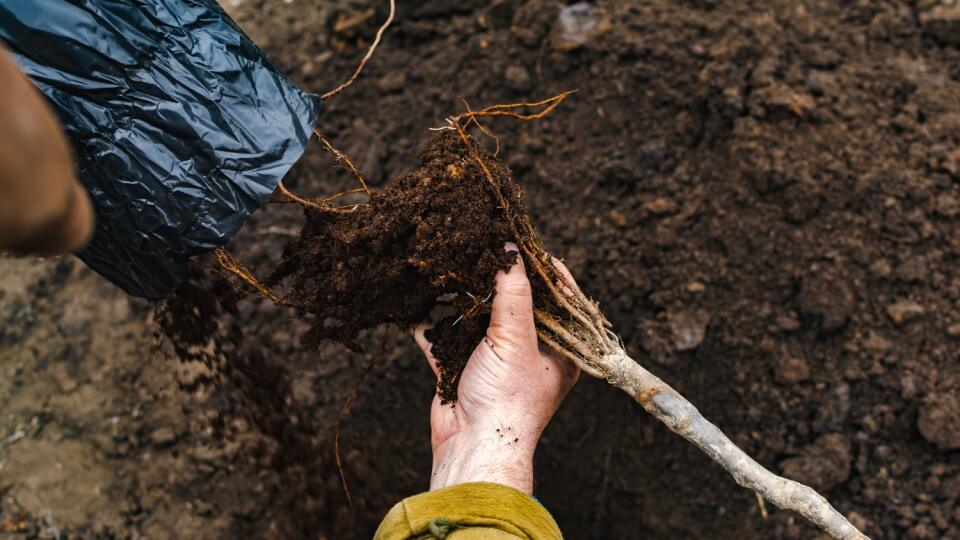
{"x":469,"y":512}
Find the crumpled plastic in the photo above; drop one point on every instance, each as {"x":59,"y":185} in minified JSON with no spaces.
{"x":181,"y":126}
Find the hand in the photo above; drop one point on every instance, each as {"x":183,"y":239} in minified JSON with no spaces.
{"x":509,"y":391}
{"x":43,"y":208}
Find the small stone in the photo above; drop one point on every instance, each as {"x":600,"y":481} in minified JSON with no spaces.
{"x":696,"y":287}
{"x":792,"y":369}
{"x":951,"y":162}
{"x":939,"y":420}
{"x":660,"y":205}
{"x":689,"y":329}
{"x":518,"y":78}
{"x":904,"y":311}
{"x":953,"y":330}
{"x":780,"y":97}
{"x":163,"y":436}
{"x":578,"y":24}
{"x":68,"y":384}
{"x":920,"y":531}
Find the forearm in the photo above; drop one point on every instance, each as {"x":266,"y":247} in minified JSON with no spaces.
{"x":42,"y":206}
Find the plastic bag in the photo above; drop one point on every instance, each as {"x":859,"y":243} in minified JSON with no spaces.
{"x":180,"y":125}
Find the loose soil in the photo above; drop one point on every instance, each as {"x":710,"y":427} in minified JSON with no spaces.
{"x":436,"y":232}
{"x":763,"y":198}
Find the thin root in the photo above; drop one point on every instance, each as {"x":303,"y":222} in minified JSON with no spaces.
{"x":366,"y":58}
{"x":332,"y":198}
{"x":321,"y":206}
{"x":485,"y":131}
{"x":505,"y":109}
{"x":343,"y":159}
{"x":231,"y":264}
{"x":345,"y":408}
{"x":420,"y":263}
{"x":536,"y":254}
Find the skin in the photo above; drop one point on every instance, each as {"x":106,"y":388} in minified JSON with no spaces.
{"x":43,"y":208}
{"x":509,"y":391}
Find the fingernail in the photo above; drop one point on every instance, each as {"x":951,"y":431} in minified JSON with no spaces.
{"x":510,"y":247}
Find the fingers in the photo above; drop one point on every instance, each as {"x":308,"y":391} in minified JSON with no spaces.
{"x":419,"y":336}
{"x":511,"y":319}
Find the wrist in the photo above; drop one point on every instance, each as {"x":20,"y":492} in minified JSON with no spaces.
{"x":497,"y":455}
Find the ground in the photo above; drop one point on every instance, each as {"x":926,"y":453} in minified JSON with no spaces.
{"x":762,"y":196}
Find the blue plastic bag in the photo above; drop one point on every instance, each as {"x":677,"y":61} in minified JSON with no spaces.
{"x":181,"y":126}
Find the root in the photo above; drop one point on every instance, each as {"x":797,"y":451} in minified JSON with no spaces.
{"x":366,"y":58}
{"x":678,"y":414}
{"x":419,"y":263}
{"x":485,"y":131}
{"x":321,"y":206}
{"x":345,"y":408}
{"x":549,"y":105}
{"x":332,"y":198}
{"x":345,"y":161}
{"x":583,"y":336}
{"x":232,"y":265}
{"x":528,"y":241}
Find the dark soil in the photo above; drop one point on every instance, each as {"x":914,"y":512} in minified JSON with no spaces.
{"x":762,"y":196}
{"x":453,"y":340}
{"x":201,"y":322}
{"x":436,"y":232}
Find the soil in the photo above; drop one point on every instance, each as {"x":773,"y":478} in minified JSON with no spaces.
{"x":436,"y":232}
{"x":763,"y":198}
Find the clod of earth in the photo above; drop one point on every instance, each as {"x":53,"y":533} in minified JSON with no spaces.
{"x":434,"y":232}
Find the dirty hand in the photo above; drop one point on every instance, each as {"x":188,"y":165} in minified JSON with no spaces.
{"x":509,"y":391}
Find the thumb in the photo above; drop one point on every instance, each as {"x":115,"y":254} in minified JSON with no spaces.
{"x":511,"y":318}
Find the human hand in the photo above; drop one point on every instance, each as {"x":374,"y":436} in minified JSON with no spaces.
{"x":43,"y":208}
{"x":509,"y":391}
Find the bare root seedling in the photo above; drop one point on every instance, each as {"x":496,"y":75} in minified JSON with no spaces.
{"x":572,"y":324}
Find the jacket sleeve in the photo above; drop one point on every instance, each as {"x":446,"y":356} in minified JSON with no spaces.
{"x":468,"y":512}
